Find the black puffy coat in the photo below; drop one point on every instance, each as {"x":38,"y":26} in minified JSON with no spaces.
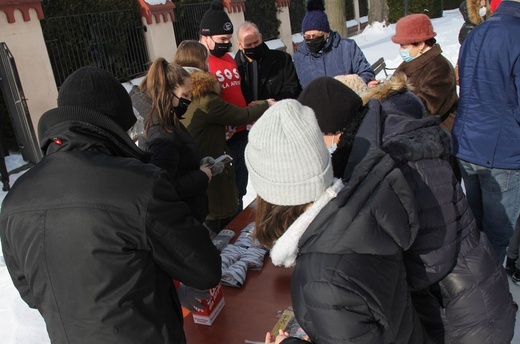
{"x":177,"y":153}
{"x":277,"y":76}
{"x":93,"y":236}
{"x":349,"y":283}
{"x":460,"y":290}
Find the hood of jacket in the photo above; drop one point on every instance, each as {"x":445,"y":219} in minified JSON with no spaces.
{"x":332,"y":42}
{"x":469,"y":10}
{"x":140,"y":101}
{"x":397,"y":83}
{"x":408,"y":139}
{"x":204,"y":84}
{"x":71,"y":128}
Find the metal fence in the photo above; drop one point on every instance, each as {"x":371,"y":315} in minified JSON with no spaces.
{"x":113,"y":41}
{"x":16,"y":104}
{"x":187,"y":20}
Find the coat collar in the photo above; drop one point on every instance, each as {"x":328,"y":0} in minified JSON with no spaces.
{"x":413,"y":66}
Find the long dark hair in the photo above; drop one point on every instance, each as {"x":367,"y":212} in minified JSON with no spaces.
{"x":271,"y":220}
{"x":158,"y":85}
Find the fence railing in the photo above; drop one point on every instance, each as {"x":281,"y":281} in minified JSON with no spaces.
{"x":113,"y":41}
{"x":187,"y":20}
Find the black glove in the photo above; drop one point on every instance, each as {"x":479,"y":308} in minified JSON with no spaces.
{"x":190,"y":297}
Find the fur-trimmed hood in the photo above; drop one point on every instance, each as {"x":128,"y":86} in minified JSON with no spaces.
{"x":203,"y":84}
{"x":469,"y":10}
{"x":397,"y":83}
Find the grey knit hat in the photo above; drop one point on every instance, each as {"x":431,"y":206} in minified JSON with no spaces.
{"x":286,"y":156}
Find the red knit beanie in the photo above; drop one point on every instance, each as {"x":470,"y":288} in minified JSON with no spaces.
{"x":412,"y":29}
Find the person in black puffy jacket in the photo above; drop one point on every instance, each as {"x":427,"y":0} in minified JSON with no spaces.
{"x":459,"y":289}
{"x":344,"y":236}
{"x":93,"y":235}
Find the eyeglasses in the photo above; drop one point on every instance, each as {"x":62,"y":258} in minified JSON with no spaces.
{"x":307,"y":37}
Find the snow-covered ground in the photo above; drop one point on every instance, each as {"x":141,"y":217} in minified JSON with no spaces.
{"x":21,"y":325}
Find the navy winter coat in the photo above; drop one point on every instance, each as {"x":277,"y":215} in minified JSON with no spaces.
{"x":487,"y":127}
{"x":339,"y":56}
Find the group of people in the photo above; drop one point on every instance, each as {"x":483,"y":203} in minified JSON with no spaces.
{"x":357,"y":180}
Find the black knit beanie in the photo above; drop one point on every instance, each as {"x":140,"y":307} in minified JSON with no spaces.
{"x":215,"y":21}
{"x":95,"y":89}
{"x":334,"y":103}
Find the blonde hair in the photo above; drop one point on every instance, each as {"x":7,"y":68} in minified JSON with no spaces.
{"x":191,"y":53}
{"x":159,"y":84}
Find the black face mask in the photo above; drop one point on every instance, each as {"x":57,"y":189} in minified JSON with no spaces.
{"x":255,"y":53}
{"x":220,"y":49}
{"x":181,"y":108}
{"x":315,"y":44}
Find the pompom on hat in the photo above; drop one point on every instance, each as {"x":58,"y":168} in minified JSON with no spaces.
{"x":334,"y":103}
{"x":286,"y":156}
{"x":315,"y":18}
{"x":215,"y":21}
{"x":413,"y":28}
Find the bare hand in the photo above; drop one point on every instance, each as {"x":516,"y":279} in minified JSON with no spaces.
{"x":271,"y":102}
{"x":270,"y":339}
{"x":373,"y":83}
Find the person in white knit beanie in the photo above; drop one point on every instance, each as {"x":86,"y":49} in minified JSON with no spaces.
{"x":286,"y":157}
{"x":345,"y":240}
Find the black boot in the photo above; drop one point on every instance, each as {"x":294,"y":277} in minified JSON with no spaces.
{"x":5,"y":186}
{"x":510,"y":266}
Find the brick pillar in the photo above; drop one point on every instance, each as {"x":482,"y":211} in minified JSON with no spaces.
{"x":285,"y":27}
{"x":160,"y":38}
{"x":20,"y":29}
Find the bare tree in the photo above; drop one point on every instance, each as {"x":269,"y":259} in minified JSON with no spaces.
{"x":378,"y":11}
{"x":337,"y":16}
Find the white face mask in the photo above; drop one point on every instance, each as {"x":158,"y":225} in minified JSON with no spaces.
{"x":332,"y":148}
{"x":482,"y":11}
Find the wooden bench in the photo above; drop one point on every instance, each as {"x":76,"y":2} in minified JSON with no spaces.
{"x":380,"y":65}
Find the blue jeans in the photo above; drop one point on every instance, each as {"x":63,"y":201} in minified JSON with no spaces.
{"x":494,"y":197}
{"x":237,"y":144}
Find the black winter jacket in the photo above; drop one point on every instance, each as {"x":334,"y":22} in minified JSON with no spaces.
{"x":177,"y":153}
{"x":349,"y":283}
{"x":460,"y":290}
{"x":93,"y":237}
{"x":277,"y":76}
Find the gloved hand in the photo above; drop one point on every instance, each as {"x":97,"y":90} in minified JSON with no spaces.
{"x":216,"y":168}
{"x":190,"y":297}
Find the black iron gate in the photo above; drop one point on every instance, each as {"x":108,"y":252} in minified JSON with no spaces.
{"x":112,"y":40}
{"x":187,"y":20}
{"x":17,"y":106}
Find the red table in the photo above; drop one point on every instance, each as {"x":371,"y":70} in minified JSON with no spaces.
{"x":251,"y":310}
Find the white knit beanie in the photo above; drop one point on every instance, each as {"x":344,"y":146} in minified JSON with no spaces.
{"x":286,"y":156}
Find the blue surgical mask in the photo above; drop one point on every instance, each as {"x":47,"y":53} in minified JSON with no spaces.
{"x":405,"y":54}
